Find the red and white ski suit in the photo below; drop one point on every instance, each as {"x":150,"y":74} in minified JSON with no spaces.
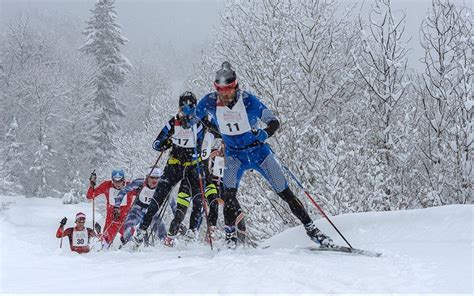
{"x":111,"y":227}
{"x":78,"y":239}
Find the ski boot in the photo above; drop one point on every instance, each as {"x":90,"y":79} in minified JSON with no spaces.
{"x":169,"y":241}
{"x":230,"y":237}
{"x":317,"y":236}
{"x":182,"y":229}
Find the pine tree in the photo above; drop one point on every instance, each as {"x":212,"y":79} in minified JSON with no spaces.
{"x":13,"y":155}
{"x":104,"y":40}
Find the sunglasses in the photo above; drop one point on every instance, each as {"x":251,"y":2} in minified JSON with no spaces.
{"x":81,"y":221}
{"x":225,"y":88}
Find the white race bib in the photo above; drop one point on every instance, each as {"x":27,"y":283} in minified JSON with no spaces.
{"x":218,"y":167}
{"x":146,"y":194}
{"x":80,"y":238}
{"x":207,"y":145}
{"x":113,"y":193}
{"x":183,"y":137}
{"x":233,"y":121}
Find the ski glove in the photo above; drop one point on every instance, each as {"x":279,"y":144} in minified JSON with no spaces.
{"x":63,"y":221}
{"x":188,"y":110}
{"x":260,"y":135}
{"x":116,"y":214}
{"x":97,"y":227}
{"x":163,"y":145}
{"x":92,"y":179}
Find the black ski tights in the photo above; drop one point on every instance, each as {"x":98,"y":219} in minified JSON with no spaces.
{"x":232,"y":207}
{"x":296,"y":206}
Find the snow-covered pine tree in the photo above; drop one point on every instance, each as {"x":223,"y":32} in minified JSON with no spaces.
{"x":12,"y":159}
{"x":104,"y":41}
{"x":446,"y":99}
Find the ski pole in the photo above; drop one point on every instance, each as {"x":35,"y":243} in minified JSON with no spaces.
{"x":93,"y":209}
{"x":315,"y":204}
{"x":201,"y":186}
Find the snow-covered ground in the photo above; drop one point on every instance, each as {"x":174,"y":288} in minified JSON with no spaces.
{"x":425,"y":251}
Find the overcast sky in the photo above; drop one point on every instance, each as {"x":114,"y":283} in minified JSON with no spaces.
{"x":181,"y":28}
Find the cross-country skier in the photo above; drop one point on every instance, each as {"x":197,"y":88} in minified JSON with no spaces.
{"x":236,"y":113}
{"x":181,"y":166}
{"x":79,"y":236}
{"x":110,"y":190}
{"x":143,"y":189}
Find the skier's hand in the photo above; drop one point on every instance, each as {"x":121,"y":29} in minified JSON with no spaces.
{"x":116,"y":214}
{"x":188,"y":110}
{"x":166,"y":144}
{"x":260,"y":135}
{"x":63,"y":222}
{"x":92,"y":179}
{"x":97,"y":227}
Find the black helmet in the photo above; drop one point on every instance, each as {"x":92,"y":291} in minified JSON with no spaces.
{"x":225,"y":75}
{"x":187,"y":98}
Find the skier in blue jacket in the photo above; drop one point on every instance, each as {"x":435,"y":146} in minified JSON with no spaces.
{"x":236,"y":114}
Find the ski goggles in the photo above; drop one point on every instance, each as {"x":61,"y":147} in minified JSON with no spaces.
{"x":81,"y":220}
{"x":226,"y":88}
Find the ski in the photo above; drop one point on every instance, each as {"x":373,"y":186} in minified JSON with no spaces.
{"x":344,"y":249}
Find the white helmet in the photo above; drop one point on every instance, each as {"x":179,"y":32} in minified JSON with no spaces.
{"x":156,"y":173}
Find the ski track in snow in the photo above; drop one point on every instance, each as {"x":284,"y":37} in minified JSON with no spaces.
{"x":425,"y":251}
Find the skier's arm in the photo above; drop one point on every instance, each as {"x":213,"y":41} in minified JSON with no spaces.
{"x":62,"y":233}
{"x":137,"y":183}
{"x":94,"y":192}
{"x":161,"y":142}
{"x":266,"y":115}
{"x":211,"y":127}
{"x":199,"y":113}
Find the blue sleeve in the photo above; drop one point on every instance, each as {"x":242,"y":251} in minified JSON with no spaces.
{"x":260,"y":110}
{"x":201,"y":109}
{"x":165,"y":133}
{"x":130,"y":187}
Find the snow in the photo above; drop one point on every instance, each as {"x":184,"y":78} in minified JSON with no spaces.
{"x":425,"y":251}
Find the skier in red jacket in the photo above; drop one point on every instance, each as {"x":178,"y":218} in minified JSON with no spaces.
{"x":79,"y":236}
{"x":114,"y":221}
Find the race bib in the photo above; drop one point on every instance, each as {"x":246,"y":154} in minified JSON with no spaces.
{"x":80,"y":238}
{"x":207,"y":146}
{"x":113,"y":193}
{"x":218,"y":167}
{"x":146,"y":195}
{"x":183,"y":137}
{"x":233,"y":121}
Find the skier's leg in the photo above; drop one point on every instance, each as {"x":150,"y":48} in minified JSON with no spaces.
{"x":183,"y":201}
{"x":134,"y":217}
{"x":212,"y":199}
{"x":272,"y":171}
{"x":232,"y":175}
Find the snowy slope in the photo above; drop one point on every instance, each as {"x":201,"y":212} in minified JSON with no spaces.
{"x":425,"y":251}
